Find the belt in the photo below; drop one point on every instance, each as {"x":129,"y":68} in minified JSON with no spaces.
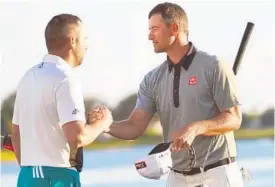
{"x":194,"y":171}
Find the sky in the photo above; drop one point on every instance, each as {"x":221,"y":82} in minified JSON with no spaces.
{"x":120,"y":54}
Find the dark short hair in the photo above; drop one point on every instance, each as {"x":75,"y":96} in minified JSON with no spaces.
{"x":171,"y":13}
{"x":59,"y":27}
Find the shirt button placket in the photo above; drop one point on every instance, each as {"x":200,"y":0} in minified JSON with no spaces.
{"x":176,"y":85}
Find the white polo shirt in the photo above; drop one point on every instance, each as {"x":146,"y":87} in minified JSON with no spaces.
{"x":48,"y":96}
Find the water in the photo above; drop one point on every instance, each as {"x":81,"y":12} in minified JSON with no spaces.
{"x":114,"y":167}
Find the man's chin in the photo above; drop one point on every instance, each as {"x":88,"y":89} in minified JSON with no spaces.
{"x":158,"y":51}
{"x":80,"y":62}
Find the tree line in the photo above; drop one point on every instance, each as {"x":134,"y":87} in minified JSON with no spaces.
{"x":123,"y":109}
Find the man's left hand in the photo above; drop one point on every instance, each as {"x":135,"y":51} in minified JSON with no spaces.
{"x":184,"y":137}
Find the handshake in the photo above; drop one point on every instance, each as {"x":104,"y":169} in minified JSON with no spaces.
{"x":102,"y":116}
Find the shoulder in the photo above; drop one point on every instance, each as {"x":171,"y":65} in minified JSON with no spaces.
{"x":27,"y":75}
{"x":59,"y":74}
{"x":206,"y":59}
{"x":211,"y":62}
{"x":65,"y":78}
{"x":154,"y":74}
{"x":51,"y":74}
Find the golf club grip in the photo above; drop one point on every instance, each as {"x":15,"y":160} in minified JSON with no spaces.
{"x":242,"y":47}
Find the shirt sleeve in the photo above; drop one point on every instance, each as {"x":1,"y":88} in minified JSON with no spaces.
{"x":224,"y":88}
{"x":70,"y":102}
{"x":145,"y":100}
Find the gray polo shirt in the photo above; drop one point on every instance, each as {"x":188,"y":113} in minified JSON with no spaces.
{"x":202,"y":87}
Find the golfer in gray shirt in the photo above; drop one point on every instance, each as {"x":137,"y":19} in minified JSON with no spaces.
{"x":194,"y":94}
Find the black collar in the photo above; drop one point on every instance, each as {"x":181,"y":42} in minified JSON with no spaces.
{"x":186,"y":60}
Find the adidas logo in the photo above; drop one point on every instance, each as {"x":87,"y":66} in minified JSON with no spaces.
{"x":75,"y":111}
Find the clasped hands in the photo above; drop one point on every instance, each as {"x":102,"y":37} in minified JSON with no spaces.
{"x":103,"y":115}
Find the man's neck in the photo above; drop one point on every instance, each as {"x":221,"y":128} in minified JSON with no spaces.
{"x":177,"y":52}
{"x":65,"y":57}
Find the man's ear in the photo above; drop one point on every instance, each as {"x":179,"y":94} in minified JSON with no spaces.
{"x":175,"y":29}
{"x":71,"y":41}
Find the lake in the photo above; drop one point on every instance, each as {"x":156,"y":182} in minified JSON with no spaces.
{"x":114,"y":167}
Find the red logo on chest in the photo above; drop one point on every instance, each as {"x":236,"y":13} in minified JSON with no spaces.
{"x":192,"y":80}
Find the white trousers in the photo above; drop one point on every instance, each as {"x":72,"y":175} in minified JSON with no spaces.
{"x":222,"y":176}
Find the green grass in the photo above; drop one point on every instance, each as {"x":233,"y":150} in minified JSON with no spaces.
{"x":114,"y":143}
{"x":152,"y":138}
{"x":254,"y":133}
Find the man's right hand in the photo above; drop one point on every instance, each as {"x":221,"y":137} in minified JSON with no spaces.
{"x":103,"y":114}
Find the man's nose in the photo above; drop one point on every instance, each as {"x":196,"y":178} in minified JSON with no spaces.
{"x":150,"y":36}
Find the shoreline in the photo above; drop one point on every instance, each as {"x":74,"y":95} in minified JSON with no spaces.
{"x":242,"y":134}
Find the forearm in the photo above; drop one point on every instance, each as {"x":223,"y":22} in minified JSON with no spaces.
{"x":15,"y":138}
{"x":221,"y":124}
{"x":125,"y":130}
{"x":90,"y":133}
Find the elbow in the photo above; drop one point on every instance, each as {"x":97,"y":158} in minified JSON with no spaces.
{"x":140,"y":132}
{"x":238,"y":116}
{"x":136,"y":136}
{"x":234,"y":116}
{"x":237,"y":124}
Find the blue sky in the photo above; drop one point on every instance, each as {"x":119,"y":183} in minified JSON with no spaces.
{"x":120,"y":54}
